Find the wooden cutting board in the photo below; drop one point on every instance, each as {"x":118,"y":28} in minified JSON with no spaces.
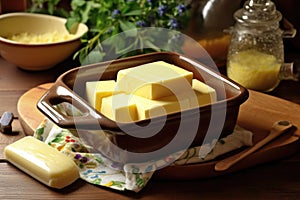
{"x":30,"y":117}
{"x":257,"y":114}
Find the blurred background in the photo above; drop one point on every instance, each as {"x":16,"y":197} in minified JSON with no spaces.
{"x":208,"y":21}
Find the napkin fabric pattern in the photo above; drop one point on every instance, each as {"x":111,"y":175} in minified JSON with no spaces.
{"x":96,"y":169}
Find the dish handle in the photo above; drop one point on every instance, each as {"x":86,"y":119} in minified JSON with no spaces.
{"x":89,"y":118}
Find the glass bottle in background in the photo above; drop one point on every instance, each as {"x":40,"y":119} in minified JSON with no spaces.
{"x":256,"y":53}
{"x":208,"y":20}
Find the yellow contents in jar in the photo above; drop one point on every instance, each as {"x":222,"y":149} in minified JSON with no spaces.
{"x":254,"y":70}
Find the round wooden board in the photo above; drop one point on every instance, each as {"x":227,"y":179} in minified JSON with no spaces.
{"x":257,"y":114}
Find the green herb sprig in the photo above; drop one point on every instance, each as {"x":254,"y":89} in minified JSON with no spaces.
{"x":108,"y":18}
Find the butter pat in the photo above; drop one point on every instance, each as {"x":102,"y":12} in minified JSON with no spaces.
{"x":97,"y":90}
{"x":204,"y":94}
{"x":147,"y":108}
{"x":42,"y":162}
{"x":154,"y":80}
{"x":119,"y":108}
{"x":198,"y":95}
{"x":130,"y":107}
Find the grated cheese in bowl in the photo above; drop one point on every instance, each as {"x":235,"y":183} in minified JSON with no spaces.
{"x":34,"y":38}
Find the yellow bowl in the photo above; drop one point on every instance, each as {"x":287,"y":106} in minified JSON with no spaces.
{"x":41,"y":55}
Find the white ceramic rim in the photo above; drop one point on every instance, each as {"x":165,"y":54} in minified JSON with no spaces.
{"x":45,"y":16}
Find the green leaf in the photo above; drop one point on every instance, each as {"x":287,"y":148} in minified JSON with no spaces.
{"x":126,"y":25}
{"x":94,"y":56}
{"x":118,"y":43}
{"x":77,"y":3}
{"x":85,"y":12}
{"x":125,"y":50}
{"x":97,"y":15}
{"x":133,"y":13}
{"x":51,"y":6}
{"x":149,"y":44}
{"x":71,"y":24}
{"x":128,"y":28}
{"x":131,"y":33}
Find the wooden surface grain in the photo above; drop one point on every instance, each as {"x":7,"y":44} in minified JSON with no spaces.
{"x":276,"y":180}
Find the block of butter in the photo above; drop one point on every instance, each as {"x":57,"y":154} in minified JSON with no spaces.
{"x":96,"y":90}
{"x":118,"y":107}
{"x":204,"y":94}
{"x":154,"y":80}
{"x":42,"y":162}
{"x":147,"y":108}
{"x":198,"y":95}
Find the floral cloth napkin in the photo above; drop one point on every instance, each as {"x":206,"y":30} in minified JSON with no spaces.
{"x":95,"y":168}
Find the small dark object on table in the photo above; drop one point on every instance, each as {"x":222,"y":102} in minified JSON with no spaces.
{"x":5,"y":122}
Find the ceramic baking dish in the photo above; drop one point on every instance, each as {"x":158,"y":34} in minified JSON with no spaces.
{"x":178,"y":130}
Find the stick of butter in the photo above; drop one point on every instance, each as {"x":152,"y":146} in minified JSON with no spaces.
{"x":154,"y":80}
{"x":42,"y":162}
{"x":97,"y":90}
{"x":119,"y":108}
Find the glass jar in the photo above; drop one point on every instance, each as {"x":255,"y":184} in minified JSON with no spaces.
{"x":256,"y":52}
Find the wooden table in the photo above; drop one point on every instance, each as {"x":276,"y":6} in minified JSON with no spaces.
{"x":276,"y":180}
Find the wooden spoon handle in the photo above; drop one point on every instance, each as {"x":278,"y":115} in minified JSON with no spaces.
{"x":277,"y":129}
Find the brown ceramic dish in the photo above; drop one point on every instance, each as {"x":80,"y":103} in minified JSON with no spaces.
{"x":191,"y":127}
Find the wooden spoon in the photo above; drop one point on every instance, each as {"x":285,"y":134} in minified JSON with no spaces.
{"x":277,"y":129}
